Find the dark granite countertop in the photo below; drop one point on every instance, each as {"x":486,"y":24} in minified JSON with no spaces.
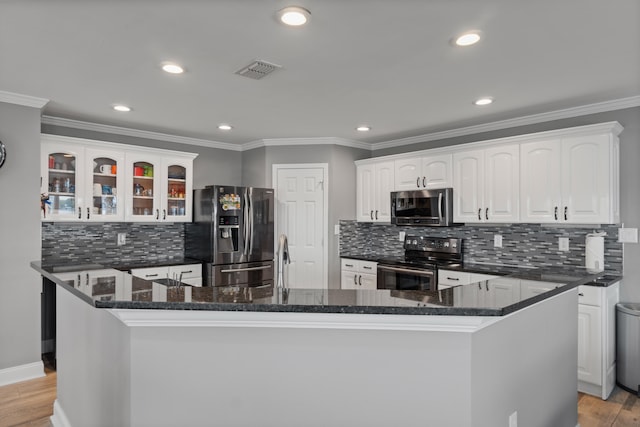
{"x":602,"y":279}
{"x":105,"y":287}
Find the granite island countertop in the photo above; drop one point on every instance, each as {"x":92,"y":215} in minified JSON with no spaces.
{"x":111,"y":288}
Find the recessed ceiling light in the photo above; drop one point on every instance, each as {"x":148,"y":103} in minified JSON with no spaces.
{"x":467,"y":39}
{"x":363,"y":128}
{"x":294,"y":16}
{"x":225,"y":127}
{"x":483,"y":101}
{"x":122,"y":108}
{"x":172,"y":68}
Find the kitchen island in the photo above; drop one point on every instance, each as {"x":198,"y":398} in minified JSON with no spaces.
{"x":138,"y":353}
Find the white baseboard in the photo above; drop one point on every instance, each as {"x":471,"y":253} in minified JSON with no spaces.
{"x":59,"y":418}
{"x":20,"y":373}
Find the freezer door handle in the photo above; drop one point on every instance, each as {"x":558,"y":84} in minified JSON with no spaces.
{"x":234,"y":270}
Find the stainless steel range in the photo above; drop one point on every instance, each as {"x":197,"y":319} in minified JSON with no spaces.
{"x":418,"y":269}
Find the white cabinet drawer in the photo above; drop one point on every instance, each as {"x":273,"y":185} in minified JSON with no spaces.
{"x":150,"y":273}
{"x":349,"y":264}
{"x":190,"y":271}
{"x":368,"y":267}
{"x":589,"y":295}
{"x":453,"y":278}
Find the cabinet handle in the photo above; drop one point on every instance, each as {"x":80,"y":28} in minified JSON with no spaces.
{"x":486,"y":284}
{"x":424,"y":183}
{"x":355,"y":279}
{"x":565,"y":213}
{"x":150,"y":275}
{"x":164,"y":214}
{"x":486,"y":213}
{"x":479,"y":285}
{"x":360,"y":280}
{"x":418,"y":182}
{"x":555,"y":213}
{"x":79,"y":212}
{"x":580,"y":294}
{"x":157,"y":213}
{"x":348,"y":265}
{"x":376,"y":214}
{"x":185,"y":272}
{"x":366,"y":268}
{"x":371,"y":215}
{"x":453,"y":278}
{"x":88,"y":210}
{"x":479,"y":214}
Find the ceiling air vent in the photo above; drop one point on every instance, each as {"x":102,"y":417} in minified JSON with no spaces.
{"x":257,"y":69}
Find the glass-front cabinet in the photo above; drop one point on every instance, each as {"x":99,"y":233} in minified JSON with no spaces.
{"x":84,"y":180}
{"x":61,"y":182}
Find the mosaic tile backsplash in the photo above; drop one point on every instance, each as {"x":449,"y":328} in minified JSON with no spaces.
{"x":97,"y":243}
{"x":528,"y":245}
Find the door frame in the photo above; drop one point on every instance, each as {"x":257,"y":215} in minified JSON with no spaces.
{"x":325,"y":209}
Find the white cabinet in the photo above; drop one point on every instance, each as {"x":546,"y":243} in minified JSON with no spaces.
{"x":572,"y":179}
{"x":374,"y":184}
{"x":357,"y":274}
{"x":82,"y":183}
{"x":191,"y":274}
{"x":531,"y":288}
{"x":428,"y":172}
{"x":99,"y":181}
{"x":596,"y":339}
{"x":485,"y":183}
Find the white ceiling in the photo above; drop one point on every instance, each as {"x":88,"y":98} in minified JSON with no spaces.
{"x":387,"y":63}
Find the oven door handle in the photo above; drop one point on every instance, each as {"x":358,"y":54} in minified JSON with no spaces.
{"x":406,"y":270}
{"x":234,"y":270}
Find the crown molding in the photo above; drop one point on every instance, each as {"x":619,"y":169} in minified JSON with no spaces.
{"x":275,"y":142}
{"x":25,"y":100}
{"x":95,"y":127}
{"x":600,"y":107}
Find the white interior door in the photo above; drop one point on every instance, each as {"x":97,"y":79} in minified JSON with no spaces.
{"x":301,"y":214}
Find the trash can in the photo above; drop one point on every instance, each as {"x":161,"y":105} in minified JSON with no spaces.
{"x":628,"y":346}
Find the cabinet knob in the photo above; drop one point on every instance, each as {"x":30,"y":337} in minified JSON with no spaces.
{"x":360,"y":280}
{"x":371,"y":215}
{"x":580,"y":294}
{"x":486,"y":213}
{"x":565,"y":213}
{"x":424,"y":182}
{"x":479,"y":214}
{"x":355,"y":279}
{"x":376,"y":214}
{"x":157,"y":213}
{"x":79,"y":212}
{"x":88,"y":211}
{"x":418,"y":182}
{"x":164,"y":214}
{"x":555,"y":213}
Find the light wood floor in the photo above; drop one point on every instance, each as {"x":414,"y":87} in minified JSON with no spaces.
{"x":30,"y":404}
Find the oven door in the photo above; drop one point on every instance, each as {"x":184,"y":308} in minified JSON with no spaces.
{"x":406,"y":278}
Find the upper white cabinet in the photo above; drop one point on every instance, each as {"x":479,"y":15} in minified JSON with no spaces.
{"x":571,"y":179}
{"x":423,"y":172}
{"x":100,"y":181}
{"x":374,"y":184}
{"x":485,"y":183}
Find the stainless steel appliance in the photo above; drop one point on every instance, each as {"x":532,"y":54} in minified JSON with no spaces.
{"x":433,"y":208}
{"x":417,"y":270}
{"x":232,"y":234}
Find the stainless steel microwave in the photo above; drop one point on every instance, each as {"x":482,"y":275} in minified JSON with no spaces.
{"x":432,"y":208}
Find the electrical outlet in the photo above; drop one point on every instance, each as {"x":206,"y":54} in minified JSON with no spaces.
{"x":336,"y":229}
{"x":513,"y":419}
{"x":122,"y":239}
{"x":497,"y":241}
{"x":563,"y":244}
{"x":401,"y":236}
{"x":628,"y":235}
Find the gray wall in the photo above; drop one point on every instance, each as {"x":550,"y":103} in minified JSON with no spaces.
{"x":212,"y":166}
{"x":629,"y":174}
{"x":257,"y":171}
{"x":20,"y":286}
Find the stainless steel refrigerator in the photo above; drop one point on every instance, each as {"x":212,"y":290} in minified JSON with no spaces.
{"x":232,"y":233}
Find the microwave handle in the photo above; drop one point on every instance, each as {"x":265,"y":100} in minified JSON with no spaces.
{"x":440,"y":207}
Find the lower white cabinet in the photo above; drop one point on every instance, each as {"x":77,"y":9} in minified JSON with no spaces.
{"x":449,"y":278}
{"x":191,"y":273}
{"x":596,"y":339}
{"x":358,"y":274}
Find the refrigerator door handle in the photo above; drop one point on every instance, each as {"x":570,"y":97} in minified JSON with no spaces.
{"x":234,"y":270}
{"x":245,"y":225}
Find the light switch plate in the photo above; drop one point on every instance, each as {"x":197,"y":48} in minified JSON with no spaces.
{"x":563,"y":244}
{"x":628,"y":235}
{"x":497,"y":241}
{"x":401,"y":236}
{"x":122,"y":239}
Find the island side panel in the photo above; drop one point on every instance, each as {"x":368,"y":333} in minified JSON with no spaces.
{"x":249,"y":376}
{"x":528,"y":363}
{"x":92,"y":365}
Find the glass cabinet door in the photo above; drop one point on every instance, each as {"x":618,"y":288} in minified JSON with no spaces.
{"x":59,"y":184}
{"x":144,"y":191}
{"x":176,"y":195}
{"x":106,"y":192}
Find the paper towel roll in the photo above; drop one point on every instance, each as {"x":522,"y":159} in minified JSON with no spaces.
{"x":594,"y":252}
